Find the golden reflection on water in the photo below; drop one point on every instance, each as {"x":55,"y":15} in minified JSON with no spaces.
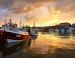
{"x":48,"y":43}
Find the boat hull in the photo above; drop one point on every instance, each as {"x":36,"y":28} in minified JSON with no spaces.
{"x":4,"y":35}
{"x":15,"y":36}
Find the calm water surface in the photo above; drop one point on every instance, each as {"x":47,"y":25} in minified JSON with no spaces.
{"x":47,"y":45}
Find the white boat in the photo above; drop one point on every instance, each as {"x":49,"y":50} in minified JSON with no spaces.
{"x":11,"y":31}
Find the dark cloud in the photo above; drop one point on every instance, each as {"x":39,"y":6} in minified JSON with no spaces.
{"x":23,"y":6}
{"x":6,"y":3}
{"x":29,"y":8}
{"x":17,"y":6}
{"x":65,"y":5}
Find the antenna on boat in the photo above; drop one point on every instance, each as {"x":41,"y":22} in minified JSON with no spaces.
{"x":5,"y":21}
{"x":34,"y":23}
{"x":20,"y":23}
{"x":10,"y":21}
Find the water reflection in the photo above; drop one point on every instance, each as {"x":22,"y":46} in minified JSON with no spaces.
{"x":64,"y":35}
{"x":47,"y":46}
{"x":73,"y":34}
{"x":52,"y":46}
{"x":12,"y":48}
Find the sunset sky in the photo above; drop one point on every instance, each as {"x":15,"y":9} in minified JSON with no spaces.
{"x":44,"y":12}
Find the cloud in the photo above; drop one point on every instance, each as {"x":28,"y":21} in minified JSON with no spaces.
{"x":65,"y":5}
{"x":5,"y":3}
{"x":29,"y":9}
{"x":20,"y":6}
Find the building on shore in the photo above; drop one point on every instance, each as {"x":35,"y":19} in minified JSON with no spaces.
{"x":60,"y":28}
{"x":64,"y":28}
{"x":73,"y":28}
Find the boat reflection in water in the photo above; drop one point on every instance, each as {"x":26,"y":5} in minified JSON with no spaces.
{"x":45,"y":46}
{"x":14,"y":47}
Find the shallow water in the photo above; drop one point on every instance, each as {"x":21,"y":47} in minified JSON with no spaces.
{"x":46,"y":45}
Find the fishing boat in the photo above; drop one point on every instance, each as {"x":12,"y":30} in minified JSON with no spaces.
{"x":34,"y":31}
{"x":13,"y":36}
{"x":11,"y":33}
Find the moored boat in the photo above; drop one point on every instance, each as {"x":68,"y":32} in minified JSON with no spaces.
{"x":12,"y":31}
{"x":14,"y":36}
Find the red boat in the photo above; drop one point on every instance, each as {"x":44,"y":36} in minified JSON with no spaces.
{"x":10,"y":32}
{"x":13,"y":36}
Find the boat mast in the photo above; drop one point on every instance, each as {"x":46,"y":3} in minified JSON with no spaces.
{"x":5,"y":21}
{"x":34,"y":23}
{"x":10,"y":21}
{"x":20,"y":24}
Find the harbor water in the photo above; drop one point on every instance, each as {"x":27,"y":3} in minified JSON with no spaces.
{"x":45,"y":45}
